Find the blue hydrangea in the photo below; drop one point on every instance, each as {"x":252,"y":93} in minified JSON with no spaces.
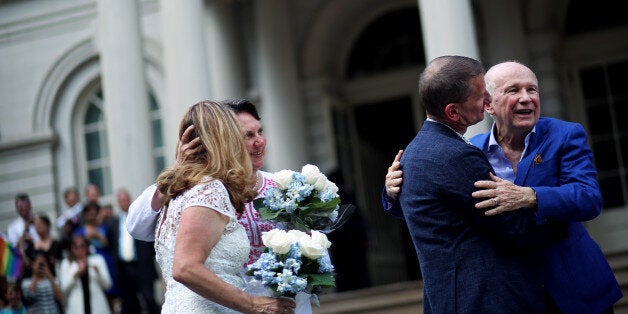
{"x":277,"y":200}
{"x":267,"y":277}
{"x":267,"y":260}
{"x":288,"y":282}
{"x":274,"y":198}
{"x":295,"y":251}
{"x":333,"y":216}
{"x":325,"y":265}
{"x":289,"y":205}
{"x":326,"y":195}
{"x":293,"y":264}
{"x":281,"y":271}
{"x":298,"y":190}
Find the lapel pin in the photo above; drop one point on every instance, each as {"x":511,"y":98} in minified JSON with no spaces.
{"x":538,"y":159}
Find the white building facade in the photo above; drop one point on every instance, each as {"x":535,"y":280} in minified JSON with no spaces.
{"x":93,"y":90}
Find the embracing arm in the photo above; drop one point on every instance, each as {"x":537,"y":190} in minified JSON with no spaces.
{"x":570,"y":193}
{"x":392,"y":187}
{"x":515,"y":228}
{"x":143,"y":213}
{"x":499,"y":195}
{"x":199,"y":230}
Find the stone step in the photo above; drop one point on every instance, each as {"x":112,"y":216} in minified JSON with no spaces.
{"x":405,"y":297}
{"x":618,"y":261}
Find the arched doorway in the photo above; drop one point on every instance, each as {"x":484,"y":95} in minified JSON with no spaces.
{"x":368,"y":83}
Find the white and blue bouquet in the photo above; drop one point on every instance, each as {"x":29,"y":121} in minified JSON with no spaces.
{"x":294,"y":262}
{"x":304,"y":200}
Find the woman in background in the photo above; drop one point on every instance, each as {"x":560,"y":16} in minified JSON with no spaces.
{"x":84,"y":278}
{"x":47,"y":244}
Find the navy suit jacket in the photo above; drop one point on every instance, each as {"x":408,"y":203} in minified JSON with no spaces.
{"x":144,"y":253}
{"x":558,"y":165}
{"x":470,"y":263}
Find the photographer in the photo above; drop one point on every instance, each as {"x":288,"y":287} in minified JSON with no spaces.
{"x":41,"y":290}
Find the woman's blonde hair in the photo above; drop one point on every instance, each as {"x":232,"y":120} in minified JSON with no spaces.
{"x":223,"y":156}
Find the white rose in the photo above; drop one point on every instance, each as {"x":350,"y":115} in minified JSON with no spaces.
{"x":277,"y":240}
{"x":295,"y":235}
{"x":332,"y":187}
{"x":310,"y":172}
{"x":283,"y":178}
{"x":310,"y":248}
{"x":268,"y":235}
{"x":321,"y":183}
{"x":321,"y":239}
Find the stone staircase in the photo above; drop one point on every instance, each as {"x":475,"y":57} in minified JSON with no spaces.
{"x":407,"y":297}
{"x":398,"y":298}
{"x":619,"y":263}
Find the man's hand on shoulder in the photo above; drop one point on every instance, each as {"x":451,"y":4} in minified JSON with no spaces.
{"x":394,"y":178}
{"x":502,"y":195}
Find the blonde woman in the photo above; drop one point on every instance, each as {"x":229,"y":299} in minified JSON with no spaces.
{"x":144,"y":211}
{"x":200,"y":246}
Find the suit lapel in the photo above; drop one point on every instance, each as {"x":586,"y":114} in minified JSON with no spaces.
{"x":532,"y":155}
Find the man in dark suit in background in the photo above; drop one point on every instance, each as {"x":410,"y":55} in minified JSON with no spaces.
{"x":470,"y":262}
{"x":134,"y":262}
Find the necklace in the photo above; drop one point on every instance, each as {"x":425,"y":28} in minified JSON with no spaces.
{"x":258,"y":182}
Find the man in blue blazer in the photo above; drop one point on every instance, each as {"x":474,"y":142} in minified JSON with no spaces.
{"x":471,"y":263}
{"x":552,"y":157}
{"x":547,"y":165}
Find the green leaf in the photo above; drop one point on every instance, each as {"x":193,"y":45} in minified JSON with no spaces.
{"x":320,"y":207}
{"x":268,"y":214}
{"x":298,"y":223}
{"x":322,"y":280}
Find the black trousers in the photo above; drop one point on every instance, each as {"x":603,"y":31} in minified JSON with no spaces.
{"x":132,"y":286}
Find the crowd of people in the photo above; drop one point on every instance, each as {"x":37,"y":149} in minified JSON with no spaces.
{"x":84,"y":261}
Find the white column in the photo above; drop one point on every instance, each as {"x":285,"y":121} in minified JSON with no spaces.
{"x":504,"y":33}
{"x":225,"y":54}
{"x":319,"y":101}
{"x":125,"y":95}
{"x":545,"y":65}
{"x":186,"y":74}
{"x":449,"y":29}
{"x":282,"y":114}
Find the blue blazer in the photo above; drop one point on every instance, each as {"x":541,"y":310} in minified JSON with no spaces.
{"x":558,"y":165}
{"x":470,"y":263}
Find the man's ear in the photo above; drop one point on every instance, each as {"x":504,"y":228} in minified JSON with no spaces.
{"x":488,"y":107}
{"x":451,"y":112}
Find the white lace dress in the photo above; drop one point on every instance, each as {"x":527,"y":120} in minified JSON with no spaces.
{"x":225,"y":259}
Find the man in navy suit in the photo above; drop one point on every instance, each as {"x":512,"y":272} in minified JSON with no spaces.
{"x":471,"y":263}
{"x":545,"y":164}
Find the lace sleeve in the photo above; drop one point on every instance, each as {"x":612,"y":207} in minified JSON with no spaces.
{"x":212,"y":194}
